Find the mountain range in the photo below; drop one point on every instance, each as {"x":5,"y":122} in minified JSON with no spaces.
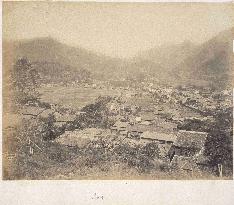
{"x":208,"y":64}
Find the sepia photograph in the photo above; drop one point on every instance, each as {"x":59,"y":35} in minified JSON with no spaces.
{"x":117,"y":91}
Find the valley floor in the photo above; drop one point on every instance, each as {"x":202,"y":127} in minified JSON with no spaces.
{"x":88,"y":132}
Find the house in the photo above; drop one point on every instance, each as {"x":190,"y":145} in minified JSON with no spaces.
{"x":188,"y":143}
{"x":123,"y":133}
{"x":92,"y":132}
{"x":119,"y":126}
{"x":162,"y":138}
{"x":136,"y":131}
{"x":166,"y":124}
{"x":147,"y":118}
{"x":191,"y":139}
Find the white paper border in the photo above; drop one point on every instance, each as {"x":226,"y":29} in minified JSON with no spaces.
{"x":114,"y":192}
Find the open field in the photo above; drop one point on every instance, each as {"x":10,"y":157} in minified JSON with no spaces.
{"x":74,"y":97}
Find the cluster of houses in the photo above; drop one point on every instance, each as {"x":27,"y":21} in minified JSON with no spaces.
{"x":175,"y":145}
{"x":145,"y":123}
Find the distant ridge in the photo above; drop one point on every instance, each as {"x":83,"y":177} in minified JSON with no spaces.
{"x":47,"y":49}
{"x":212,"y":62}
{"x":209,"y":64}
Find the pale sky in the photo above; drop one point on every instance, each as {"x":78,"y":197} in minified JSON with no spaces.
{"x":116,"y":29}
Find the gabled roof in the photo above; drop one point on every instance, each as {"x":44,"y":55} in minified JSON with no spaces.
{"x":144,"y":128}
{"x":191,"y":139}
{"x":138,"y":128}
{"x":120,"y":124}
{"x":158,"y":136}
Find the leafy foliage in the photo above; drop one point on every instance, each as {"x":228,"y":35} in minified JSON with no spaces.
{"x":95,"y":115}
{"x":25,"y":80}
{"x":219,"y":144}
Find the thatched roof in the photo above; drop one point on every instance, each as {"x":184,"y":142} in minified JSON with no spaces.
{"x":191,"y":139}
{"x":158,"y":136}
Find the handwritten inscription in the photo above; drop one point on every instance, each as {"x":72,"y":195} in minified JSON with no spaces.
{"x":97,"y":196}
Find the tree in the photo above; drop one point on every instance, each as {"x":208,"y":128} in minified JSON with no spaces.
{"x":25,"y":80}
{"x":96,"y":114}
{"x":219,"y":142}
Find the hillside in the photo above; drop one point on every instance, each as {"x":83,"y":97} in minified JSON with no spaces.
{"x":161,"y":61}
{"x":168,"y":55}
{"x":45,"y":53}
{"x":212,"y":62}
{"x":208,"y":64}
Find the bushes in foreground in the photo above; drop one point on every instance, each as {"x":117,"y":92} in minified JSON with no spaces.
{"x":140,"y":157}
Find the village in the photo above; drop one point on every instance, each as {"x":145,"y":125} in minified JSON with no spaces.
{"x":138,"y":116}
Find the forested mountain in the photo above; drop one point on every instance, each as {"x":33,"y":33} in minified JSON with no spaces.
{"x":208,"y":64}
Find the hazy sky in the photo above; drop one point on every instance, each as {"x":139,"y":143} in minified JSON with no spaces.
{"x":116,"y":29}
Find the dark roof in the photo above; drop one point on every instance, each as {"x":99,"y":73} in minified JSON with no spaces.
{"x":191,"y":139}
